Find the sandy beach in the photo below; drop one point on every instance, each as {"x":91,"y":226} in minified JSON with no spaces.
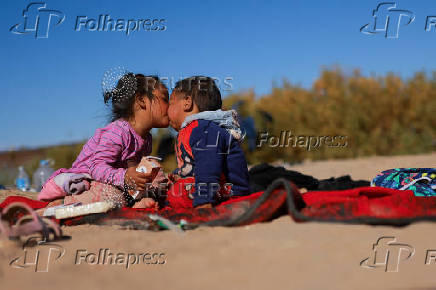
{"x":280,"y":254}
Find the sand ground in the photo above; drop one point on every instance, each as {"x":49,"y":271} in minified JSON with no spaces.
{"x":280,"y":254}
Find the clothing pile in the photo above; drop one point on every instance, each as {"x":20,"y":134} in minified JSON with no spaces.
{"x":262,"y":175}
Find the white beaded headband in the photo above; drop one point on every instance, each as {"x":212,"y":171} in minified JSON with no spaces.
{"x":110,"y":86}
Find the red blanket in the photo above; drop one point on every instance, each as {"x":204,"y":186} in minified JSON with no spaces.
{"x":365,"y":205}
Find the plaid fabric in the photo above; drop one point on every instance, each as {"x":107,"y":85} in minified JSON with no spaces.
{"x":363,"y":205}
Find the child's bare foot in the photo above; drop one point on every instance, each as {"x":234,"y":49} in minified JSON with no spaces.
{"x":146,"y":203}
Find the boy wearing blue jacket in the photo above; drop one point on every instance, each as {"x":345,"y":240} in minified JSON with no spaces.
{"x":208,"y":148}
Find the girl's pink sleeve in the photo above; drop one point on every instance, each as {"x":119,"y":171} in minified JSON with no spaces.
{"x":107,"y":154}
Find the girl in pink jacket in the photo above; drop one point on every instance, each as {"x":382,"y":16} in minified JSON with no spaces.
{"x":106,"y":167}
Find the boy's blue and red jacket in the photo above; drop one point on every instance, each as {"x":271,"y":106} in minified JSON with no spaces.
{"x":210,"y":154}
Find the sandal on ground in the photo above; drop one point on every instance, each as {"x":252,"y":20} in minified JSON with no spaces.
{"x":18,"y":219}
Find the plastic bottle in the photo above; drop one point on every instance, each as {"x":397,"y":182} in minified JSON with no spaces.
{"x":22,"y":181}
{"x":41,"y":175}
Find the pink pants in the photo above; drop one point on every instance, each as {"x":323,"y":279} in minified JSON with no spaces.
{"x":97,"y":192}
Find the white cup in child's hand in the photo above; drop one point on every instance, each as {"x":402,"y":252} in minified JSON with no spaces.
{"x":148,"y":165}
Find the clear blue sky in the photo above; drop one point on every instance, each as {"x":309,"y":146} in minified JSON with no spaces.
{"x":51,"y":88}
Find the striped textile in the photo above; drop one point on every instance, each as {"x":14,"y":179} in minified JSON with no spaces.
{"x":108,"y":153}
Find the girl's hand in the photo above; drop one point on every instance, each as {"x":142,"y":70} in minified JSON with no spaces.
{"x":138,"y":180}
{"x":147,"y":203}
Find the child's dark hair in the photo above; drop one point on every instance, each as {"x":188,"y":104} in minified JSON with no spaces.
{"x":129,"y":88}
{"x":203,"y":90}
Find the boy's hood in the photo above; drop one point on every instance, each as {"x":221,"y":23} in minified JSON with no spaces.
{"x":225,"y":119}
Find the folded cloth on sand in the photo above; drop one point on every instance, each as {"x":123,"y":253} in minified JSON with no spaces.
{"x":422,"y":181}
{"x":264,"y":174}
{"x":340,"y":183}
{"x":65,"y":184}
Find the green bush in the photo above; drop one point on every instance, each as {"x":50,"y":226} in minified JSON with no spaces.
{"x":379,"y":116}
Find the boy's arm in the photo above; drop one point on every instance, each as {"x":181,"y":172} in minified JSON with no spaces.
{"x":208,"y":149}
